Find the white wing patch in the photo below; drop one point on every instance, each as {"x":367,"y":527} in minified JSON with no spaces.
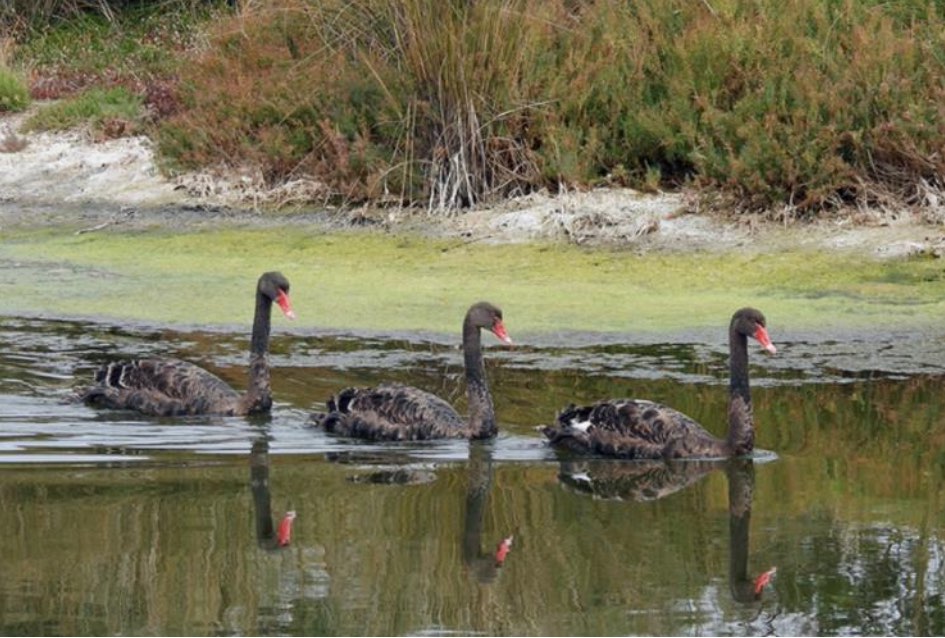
{"x":583,"y":426}
{"x":581,"y":477}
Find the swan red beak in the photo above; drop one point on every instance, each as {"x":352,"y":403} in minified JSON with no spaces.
{"x":763,"y":579}
{"x":498,"y":329}
{"x":283,"y":300}
{"x":761,"y":334}
{"x":502,"y":551}
{"x":284,"y":535}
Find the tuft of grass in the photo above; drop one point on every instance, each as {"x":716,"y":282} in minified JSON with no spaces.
{"x":104,"y":110}
{"x":14,"y":94}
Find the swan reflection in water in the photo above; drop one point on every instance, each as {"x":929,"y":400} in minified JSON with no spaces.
{"x":741,"y":487}
{"x":640,"y":481}
{"x":645,"y":481}
{"x":288,"y":582}
{"x":483,"y":563}
{"x":268,"y":535}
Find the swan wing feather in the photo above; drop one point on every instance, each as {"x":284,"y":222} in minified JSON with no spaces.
{"x":627,"y":428}
{"x":161,"y":387}
{"x":392,"y":412}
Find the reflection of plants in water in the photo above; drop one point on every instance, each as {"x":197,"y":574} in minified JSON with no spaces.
{"x":881,"y":438}
{"x":179,"y":539}
{"x":869,"y":575}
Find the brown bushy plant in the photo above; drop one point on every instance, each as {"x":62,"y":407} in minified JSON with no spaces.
{"x":808,"y":104}
{"x":410,"y":100}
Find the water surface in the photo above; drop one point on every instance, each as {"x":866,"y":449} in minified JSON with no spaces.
{"x":120,"y":524}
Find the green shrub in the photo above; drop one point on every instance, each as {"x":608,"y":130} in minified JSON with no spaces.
{"x":128,"y":43}
{"x":14,"y":94}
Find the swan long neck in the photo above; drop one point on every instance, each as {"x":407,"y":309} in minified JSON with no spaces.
{"x":741,"y":431}
{"x":481,"y":410}
{"x":258,"y":393}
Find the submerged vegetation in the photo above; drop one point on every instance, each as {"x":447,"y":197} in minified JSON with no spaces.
{"x":797,"y":107}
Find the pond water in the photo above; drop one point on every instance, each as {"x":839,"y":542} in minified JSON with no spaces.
{"x":119,"y":524}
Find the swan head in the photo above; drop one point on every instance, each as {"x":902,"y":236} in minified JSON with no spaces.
{"x":275,"y":286}
{"x":751,"y":323}
{"x":488,"y":316}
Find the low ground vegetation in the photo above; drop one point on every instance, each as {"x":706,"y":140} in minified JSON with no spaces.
{"x":795,"y":108}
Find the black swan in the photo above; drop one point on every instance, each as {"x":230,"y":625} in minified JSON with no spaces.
{"x":396,"y":412}
{"x":171,"y":387}
{"x":632,"y":429}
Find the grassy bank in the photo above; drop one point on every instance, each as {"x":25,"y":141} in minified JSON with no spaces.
{"x":366,"y":281}
{"x":798,"y":107}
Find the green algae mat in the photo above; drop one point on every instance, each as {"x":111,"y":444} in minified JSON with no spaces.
{"x":384,"y":282}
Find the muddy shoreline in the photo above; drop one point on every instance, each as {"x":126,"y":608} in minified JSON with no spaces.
{"x":66,"y":180}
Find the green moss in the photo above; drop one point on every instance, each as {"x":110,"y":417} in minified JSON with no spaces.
{"x":383,"y":282}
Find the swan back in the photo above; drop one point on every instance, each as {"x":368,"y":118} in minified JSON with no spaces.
{"x":391,"y":412}
{"x":161,"y":387}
